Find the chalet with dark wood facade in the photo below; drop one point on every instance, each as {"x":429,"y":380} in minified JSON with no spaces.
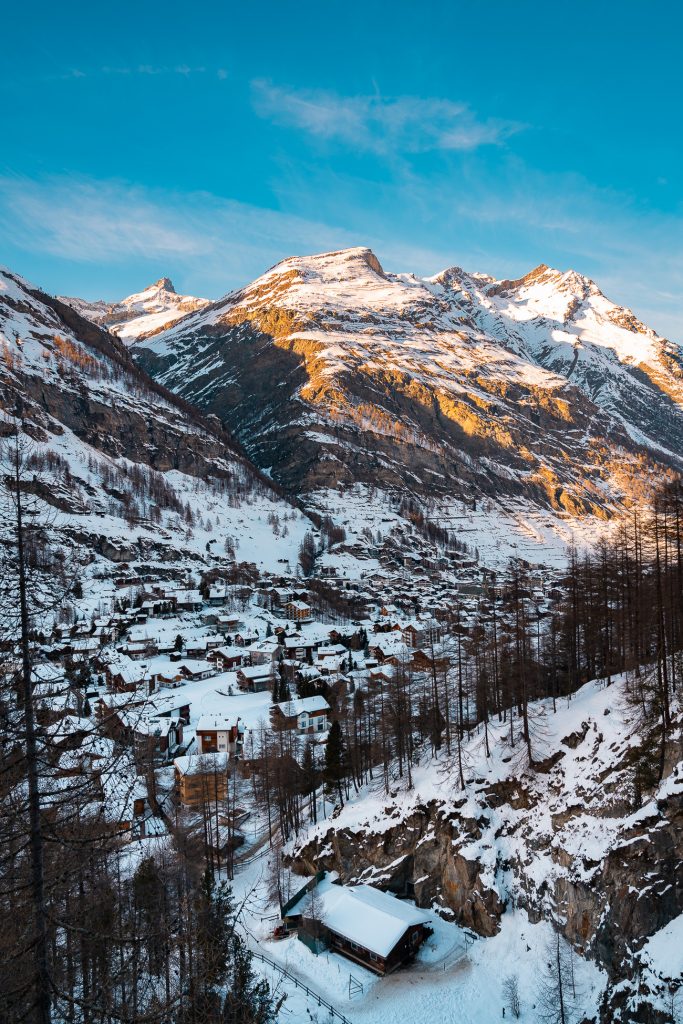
{"x":364,"y":924}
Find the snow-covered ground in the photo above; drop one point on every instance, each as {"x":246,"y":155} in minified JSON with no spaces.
{"x":454,"y":977}
{"x":496,"y":529}
{"x":442,"y":985}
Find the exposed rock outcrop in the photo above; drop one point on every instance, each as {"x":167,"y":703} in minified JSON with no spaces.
{"x":570,"y":845}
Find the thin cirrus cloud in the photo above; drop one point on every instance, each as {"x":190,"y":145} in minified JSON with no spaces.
{"x":85,"y":221}
{"x":219,"y":244}
{"x":216,"y":244}
{"x":146,"y":70}
{"x":381,"y":124}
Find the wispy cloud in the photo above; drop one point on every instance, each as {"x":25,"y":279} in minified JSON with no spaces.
{"x":107,"y":70}
{"x":219,"y":243}
{"x":213,"y":244}
{"x":408,"y":124}
{"x":85,"y":221}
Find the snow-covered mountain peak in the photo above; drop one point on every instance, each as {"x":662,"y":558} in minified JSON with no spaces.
{"x":356,"y":266}
{"x":340,"y":263}
{"x":166,"y":283}
{"x":142,"y":314}
{"x":157,"y":296}
{"x":330,"y":369}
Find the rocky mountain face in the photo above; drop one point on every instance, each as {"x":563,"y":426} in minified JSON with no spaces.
{"x":140,"y":315}
{"x":330,"y":370}
{"x":573,"y":840}
{"x":117,"y":456}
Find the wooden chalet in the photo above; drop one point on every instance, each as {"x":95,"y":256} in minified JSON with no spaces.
{"x":226,"y":658}
{"x":364,"y":924}
{"x":201,"y":779}
{"x":216,"y":733}
{"x":255,"y":678}
{"x":307,"y":715}
{"x":424,"y":661}
{"x":298,"y":611}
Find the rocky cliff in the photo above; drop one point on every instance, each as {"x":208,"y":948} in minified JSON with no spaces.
{"x":576,"y":840}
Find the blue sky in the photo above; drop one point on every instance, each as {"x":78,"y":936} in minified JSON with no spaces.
{"x":207,"y":141}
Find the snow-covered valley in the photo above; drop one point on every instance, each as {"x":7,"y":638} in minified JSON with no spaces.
{"x":282,"y":621}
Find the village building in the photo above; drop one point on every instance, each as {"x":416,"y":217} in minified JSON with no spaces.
{"x":218,"y":595}
{"x":123,"y":675}
{"x":153,"y":737}
{"x":245,"y":638}
{"x":265,"y":652}
{"x":255,"y":678}
{"x":331,"y":651}
{"x":195,"y":670}
{"x":305,"y":714}
{"x":389,"y":647}
{"x":379,"y":675}
{"x":48,"y":674}
{"x":216,"y":733}
{"x":298,"y":611}
{"x":421,"y":632}
{"x":364,"y":924}
{"x":201,"y":780}
{"x":279,"y":596}
{"x":226,"y":659}
{"x":425,"y":661}
{"x":170,"y":677}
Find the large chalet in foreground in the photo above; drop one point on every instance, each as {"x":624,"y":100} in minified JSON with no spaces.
{"x":364,"y":924}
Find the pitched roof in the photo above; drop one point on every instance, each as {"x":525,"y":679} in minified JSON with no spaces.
{"x":365,"y":915}
{"x":211,"y":723}
{"x":302,"y":705}
{"x":201,"y":764}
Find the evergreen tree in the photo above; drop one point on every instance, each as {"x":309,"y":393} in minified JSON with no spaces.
{"x":249,"y":1000}
{"x":334,"y":771}
{"x":215,"y":917}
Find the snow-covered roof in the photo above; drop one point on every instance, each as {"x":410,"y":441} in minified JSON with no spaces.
{"x":47,"y":673}
{"x":266,"y":646}
{"x":329,"y":650}
{"x":211,"y":723}
{"x":256,"y":671}
{"x":303,"y":705}
{"x":197,"y":764}
{"x":372,"y":918}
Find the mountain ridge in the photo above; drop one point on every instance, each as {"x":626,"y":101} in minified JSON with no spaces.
{"x":331,"y":370}
{"x":135,"y":472}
